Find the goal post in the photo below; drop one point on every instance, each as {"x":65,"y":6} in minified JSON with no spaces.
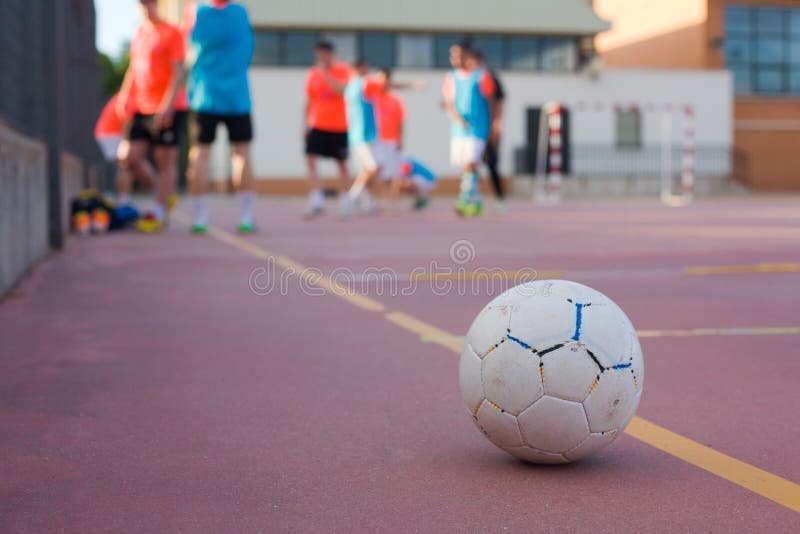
{"x":548,"y":178}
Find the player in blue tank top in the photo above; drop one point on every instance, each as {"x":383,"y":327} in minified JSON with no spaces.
{"x":468,"y":92}
{"x":222,"y":45}
{"x":415,"y":178}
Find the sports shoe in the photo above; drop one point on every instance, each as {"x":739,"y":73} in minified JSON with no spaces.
{"x":82,"y":223}
{"x":199,"y":228}
{"x":345,"y":207}
{"x":172,"y":202}
{"x":246,"y":228}
{"x":101,"y":221}
{"x":421,"y":203}
{"x":312,"y":213}
{"x":469,"y":209}
{"x":149,"y":224}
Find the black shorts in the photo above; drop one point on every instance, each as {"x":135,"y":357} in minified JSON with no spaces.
{"x":327,"y":144}
{"x":203,"y":127}
{"x":142,"y":128}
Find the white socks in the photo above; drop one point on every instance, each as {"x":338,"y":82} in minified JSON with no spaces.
{"x":247,"y":202}
{"x":201,"y":210}
{"x":159,"y":212}
{"x":124,"y":200}
{"x":316,"y":199}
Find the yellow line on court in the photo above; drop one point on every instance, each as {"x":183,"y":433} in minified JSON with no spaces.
{"x":744,"y":269}
{"x":766,"y":331}
{"x":309,"y":276}
{"x":415,"y":326}
{"x":488,"y":274}
{"x":772,"y":487}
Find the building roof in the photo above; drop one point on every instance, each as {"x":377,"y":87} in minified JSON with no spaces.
{"x":557,"y":17}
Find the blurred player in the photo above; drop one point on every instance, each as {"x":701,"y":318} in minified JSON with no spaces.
{"x":361,"y":94}
{"x":153,"y":81}
{"x":222,"y":46}
{"x":492,"y":156}
{"x":325,"y":125}
{"x":414,"y":178}
{"x":109,"y":133}
{"x":469,"y":97}
{"x":391,"y":115}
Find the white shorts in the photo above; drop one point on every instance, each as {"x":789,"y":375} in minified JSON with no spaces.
{"x":466,"y":151}
{"x":389,"y":159}
{"x":109,"y":146}
{"x":364,"y":155}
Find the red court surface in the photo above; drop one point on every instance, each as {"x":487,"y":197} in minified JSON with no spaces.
{"x":160,"y":383}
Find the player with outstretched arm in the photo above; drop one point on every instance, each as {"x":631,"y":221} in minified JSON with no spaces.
{"x":469,"y":98}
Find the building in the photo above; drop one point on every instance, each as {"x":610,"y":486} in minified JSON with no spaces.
{"x":757,"y":40}
{"x":543,"y":51}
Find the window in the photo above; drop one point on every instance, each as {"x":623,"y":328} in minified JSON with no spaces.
{"x":629,"y":132}
{"x":769,"y":81}
{"x":558,"y":54}
{"x":742,"y":80}
{"x":415,"y":51}
{"x":378,"y":49}
{"x":299,"y":48}
{"x":523,"y":53}
{"x":345,"y":44}
{"x":493,"y":50}
{"x":762,"y":49}
{"x":267,"y":48}
{"x":794,"y":82}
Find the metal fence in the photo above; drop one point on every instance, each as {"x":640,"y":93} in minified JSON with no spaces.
{"x":50,"y":89}
{"x":600,"y":160}
{"x":608,"y":160}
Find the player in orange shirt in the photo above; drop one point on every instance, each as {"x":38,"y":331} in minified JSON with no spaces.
{"x":154,"y":82}
{"x":325,"y":125}
{"x":391,"y":115}
{"x":109,"y":132}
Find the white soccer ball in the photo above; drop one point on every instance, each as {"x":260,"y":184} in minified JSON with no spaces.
{"x":551,"y":371}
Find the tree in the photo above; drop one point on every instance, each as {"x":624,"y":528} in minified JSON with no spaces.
{"x":113,"y":71}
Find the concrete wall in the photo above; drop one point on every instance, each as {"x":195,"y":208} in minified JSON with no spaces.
{"x":23,"y":205}
{"x":279,"y":100}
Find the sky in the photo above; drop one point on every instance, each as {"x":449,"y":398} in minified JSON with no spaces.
{"x":116,"y":20}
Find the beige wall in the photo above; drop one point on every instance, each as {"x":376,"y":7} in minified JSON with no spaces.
{"x":688,"y":34}
{"x":652,"y":34}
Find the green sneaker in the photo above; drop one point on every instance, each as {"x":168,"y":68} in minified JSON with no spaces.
{"x":199,"y":228}
{"x":246,"y":228}
{"x":473,"y":209}
{"x":461,"y":207}
{"x":420,"y":203}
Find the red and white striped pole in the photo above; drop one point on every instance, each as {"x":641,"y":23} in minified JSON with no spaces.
{"x":688,"y":166}
{"x":556,"y":159}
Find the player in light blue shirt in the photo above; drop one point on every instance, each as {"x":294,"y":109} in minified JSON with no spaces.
{"x":360,"y":95}
{"x":468,"y":93}
{"x":221,"y":45}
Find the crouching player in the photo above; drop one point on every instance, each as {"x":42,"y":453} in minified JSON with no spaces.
{"x":416,"y":179}
{"x":469,"y":98}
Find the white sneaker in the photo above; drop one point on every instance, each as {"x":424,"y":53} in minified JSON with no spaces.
{"x":346,"y":206}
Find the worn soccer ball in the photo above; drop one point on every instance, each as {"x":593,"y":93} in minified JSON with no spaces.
{"x":551,"y":371}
